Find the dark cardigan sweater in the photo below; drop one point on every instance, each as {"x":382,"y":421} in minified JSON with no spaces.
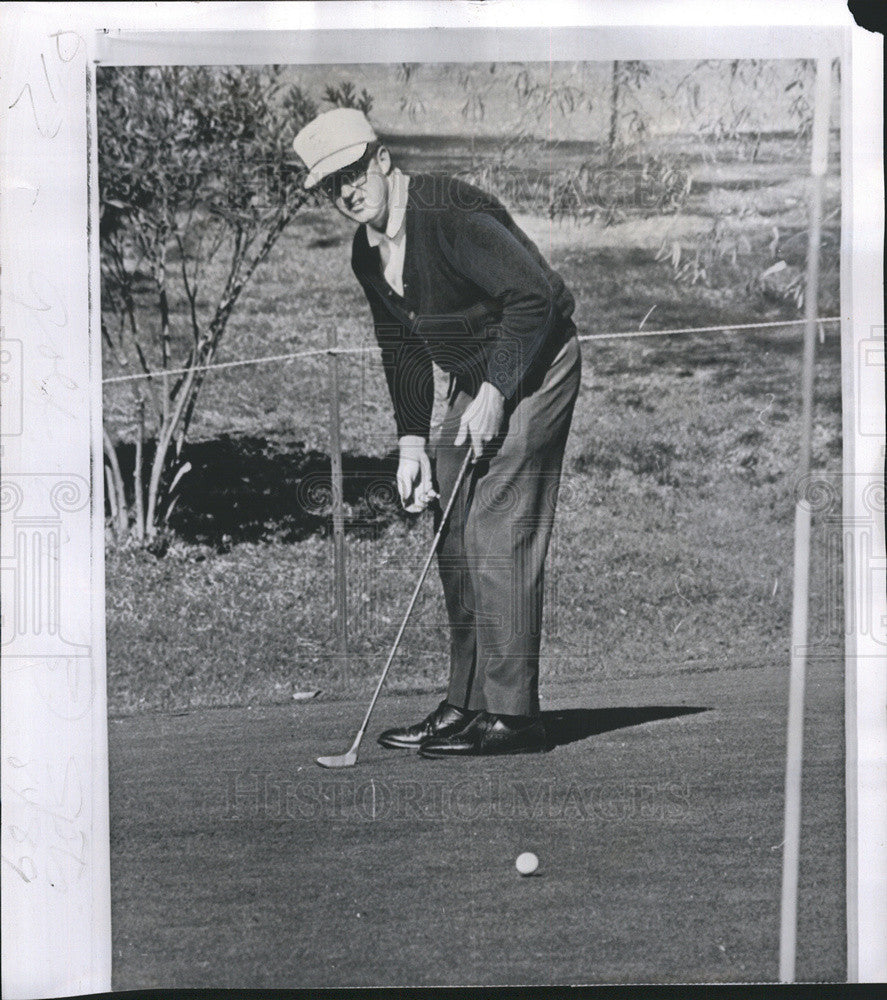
{"x":479,"y":299}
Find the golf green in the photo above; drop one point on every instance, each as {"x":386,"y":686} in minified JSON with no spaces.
{"x":236,"y":861}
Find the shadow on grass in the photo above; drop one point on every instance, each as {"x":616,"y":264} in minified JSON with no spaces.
{"x":573,"y":724}
{"x":248,"y":488}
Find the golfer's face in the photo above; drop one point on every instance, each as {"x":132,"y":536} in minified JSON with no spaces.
{"x":361,"y":197}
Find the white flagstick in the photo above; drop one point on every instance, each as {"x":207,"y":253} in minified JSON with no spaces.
{"x":795,"y":737}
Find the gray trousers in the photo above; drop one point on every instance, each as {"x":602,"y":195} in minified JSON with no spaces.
{"x":492,"y":555}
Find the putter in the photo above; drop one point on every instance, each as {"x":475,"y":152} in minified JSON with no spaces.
{"x":349,"y":759}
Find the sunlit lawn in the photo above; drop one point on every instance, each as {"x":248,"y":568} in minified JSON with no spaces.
{"x":673,"y":545}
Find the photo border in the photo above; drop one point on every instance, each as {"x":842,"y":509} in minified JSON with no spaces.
{"x":54,"y":721}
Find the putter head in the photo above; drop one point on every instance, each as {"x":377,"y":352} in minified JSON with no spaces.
{"x":343,"y":760}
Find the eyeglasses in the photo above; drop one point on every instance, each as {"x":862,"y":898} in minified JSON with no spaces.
{"x":354,"y":176}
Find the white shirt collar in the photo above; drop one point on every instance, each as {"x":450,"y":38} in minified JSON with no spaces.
{"x":398,"y":182}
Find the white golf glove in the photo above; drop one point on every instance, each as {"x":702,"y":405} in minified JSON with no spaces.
{"x":414,"y":474}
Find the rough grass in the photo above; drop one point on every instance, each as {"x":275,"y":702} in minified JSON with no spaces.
{"x":672,"y":550}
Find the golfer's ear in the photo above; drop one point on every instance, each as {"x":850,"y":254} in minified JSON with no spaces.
{"x":383,"y":158}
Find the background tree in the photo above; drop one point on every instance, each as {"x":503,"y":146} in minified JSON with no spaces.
{"x":626,"y":80}
{"x":197,"y":180}
{"x":411,"y":103}
{"x":345,"y":95}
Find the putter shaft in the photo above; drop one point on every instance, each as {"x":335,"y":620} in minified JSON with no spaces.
{"x":350,"y":758}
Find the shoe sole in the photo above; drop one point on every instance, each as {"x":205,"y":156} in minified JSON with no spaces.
{"x":441,"y":755}
{"x":391,"y":745}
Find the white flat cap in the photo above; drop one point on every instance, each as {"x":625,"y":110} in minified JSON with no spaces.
{"x":331,"y":141}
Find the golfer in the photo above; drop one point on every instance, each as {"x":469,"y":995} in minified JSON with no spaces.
{"x":450,"y":279}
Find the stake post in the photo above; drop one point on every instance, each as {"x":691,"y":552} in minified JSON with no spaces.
{"x":338,"y":500}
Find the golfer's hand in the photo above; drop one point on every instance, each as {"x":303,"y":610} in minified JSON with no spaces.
{"x":414,"y":475}
{"x":482,"y":419}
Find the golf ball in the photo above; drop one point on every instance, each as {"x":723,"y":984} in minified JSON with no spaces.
{"x":526,"y":863}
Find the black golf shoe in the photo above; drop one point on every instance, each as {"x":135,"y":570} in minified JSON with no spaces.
{"x":443,"y":721}
{"x":487,"y":735}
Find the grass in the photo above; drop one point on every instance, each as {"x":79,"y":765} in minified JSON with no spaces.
{"x":666,"y":632}
{"x":672,"y":550}
{"x":657,"y":824}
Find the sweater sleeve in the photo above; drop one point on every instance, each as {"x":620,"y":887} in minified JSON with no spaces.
{"x":483,"y":250}
{"x":408,"y":370}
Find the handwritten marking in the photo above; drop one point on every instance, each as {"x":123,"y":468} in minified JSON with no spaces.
{"x":55,"y":357}
{"x":48,"y":81}
{"x":46,"y":303}
{"x":41,"y":131}
{"x":59,"y":799}
{"x":65,"y":54}
{"x":20,"y":836}
{"x":18,"y":870}
{"x":48,"y":400}
{"x":59,"y":35}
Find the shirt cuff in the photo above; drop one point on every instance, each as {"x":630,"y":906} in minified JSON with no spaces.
{"x":411,"y":441}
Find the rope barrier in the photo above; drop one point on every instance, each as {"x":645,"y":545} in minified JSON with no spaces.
{"x":704,"y":329}
{"x":321,"y":351}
